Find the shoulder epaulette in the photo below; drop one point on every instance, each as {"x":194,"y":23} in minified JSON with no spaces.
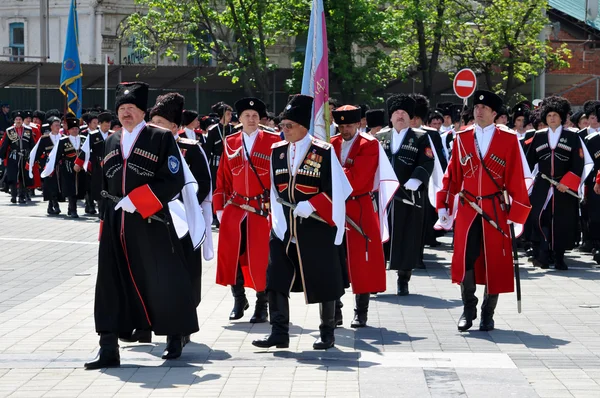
{"x":544,"y":130}
{"x":10,"y":128}
{"x":593,"y":135}
{"x":573,"y":129}
{"x":271,"y":132}
{"x":321,"y":144}
{"x":368,"y":137}
{"x":27,"y":127}
{"x":505,"y":129}
{"x":279,"y":144}
{"x":157,"y":126}
{"x":470,"y":128}
{"x":188,"y":141}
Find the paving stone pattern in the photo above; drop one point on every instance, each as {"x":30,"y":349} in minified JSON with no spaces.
{"x":410,"y":349}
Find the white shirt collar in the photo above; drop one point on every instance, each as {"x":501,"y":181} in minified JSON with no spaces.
{"x":397,"y":138}
{"x":75,"y":140}
{"x":346,"y":145}
{"x":128,"y":138}
{"x":488,"y":129}
{"x":189,"y":133}
{"x":298,"y":149}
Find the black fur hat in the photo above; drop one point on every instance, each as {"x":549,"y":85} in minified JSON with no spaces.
{"x":556,"y":104}
{"x":576,"y":117}
{"x":375,"y":118}
{"x":364,"y":108}
{"x":188,"y":116}
{"x":401,"y":101}
{"x":71,"y":122}
{"x":251,"y":103}
{"x":220,"y":107}
{"x":589,"y":107}
{"x":169,"y":106}
{"x":105,"y":117}
{"x":52,"y":112}
{"x":135,"y":93}
{"x":40,"y":115}
{"x":421,"y":107}
{"x":488,"y":98}
{"x":299,"y":110}
{"x":445,"y":108}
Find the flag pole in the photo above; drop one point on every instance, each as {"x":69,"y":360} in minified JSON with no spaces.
{"x":106,"y":81}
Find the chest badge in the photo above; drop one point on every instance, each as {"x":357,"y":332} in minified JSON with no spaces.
{"x":281,"y":156}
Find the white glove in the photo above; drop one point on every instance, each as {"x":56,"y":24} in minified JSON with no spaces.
{"x":304,"y":209}
{"x":413,"y":184}
{"x":126,"y":204}
{"x":219,"y":215}
{"x":445,"y":219}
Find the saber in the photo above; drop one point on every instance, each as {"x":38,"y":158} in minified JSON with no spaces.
{"x":483,"y":214}
{"x":318,"y":218}
{"x":515,"y":255}
{"x":248,"y":208}
{"x":556,"y":184}
{"x":116,"y":199}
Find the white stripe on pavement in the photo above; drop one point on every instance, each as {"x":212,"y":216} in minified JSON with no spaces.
{"x":48,"y":241}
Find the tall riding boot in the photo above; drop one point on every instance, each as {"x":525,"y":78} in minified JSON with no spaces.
{"x":22,"y":195}
{"x":137,"y":336}
{"x":402,"y":283}
{"x":279,"y":312}
{"x":559,"y":261}
{"x":90,"y":207}
{"x":240,"y":303}
{"x":260,"y":308}
{"x":72,"y":210}
{"x":542,"y":259}
{"x":467,"y":289}
{"x":174,"y":347}
{"x":108,"y":356}
{"x":487,"y":311}
{"x":13,"y":193}
{"x":56,"y":206}
{"x":360,"y":310}
{"x":51,"y":210}
{"x":327,"y":327}
{"x":339,"y":318}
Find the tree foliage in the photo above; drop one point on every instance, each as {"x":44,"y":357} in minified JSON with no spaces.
{"x":372,"y":43}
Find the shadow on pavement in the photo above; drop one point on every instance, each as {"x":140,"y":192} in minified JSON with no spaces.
{"x":418,"y":300}
{"x":341,"y":361}
{"x":535,"y":341}
{"x":144,"y":380}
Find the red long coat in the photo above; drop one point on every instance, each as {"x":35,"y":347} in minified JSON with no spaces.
{"x":235,"y":179}
{"x":494,"y":267}
{"x":367,"y":273}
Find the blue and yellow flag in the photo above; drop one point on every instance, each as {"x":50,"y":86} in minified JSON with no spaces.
{"x":70,"y":76}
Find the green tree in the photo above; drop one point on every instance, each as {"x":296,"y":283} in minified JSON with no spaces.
{"x":420,"y":29}
{"x":237,"y":33}
{"x":501,"y":40}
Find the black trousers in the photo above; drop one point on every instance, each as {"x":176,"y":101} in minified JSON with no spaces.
{"x":474,"y":243}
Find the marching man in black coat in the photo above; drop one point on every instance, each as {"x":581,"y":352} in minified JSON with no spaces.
{"x":412,"y":157}
{"x":307,"y":175}
{"x":142,"y":280}
{"x":561,"y":158}
{"x":17,"y":142}
{"x":41,"y":153}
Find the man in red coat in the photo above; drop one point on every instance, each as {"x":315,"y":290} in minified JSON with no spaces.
{"x":483,"y":254}
{"x":359,"y":155}
{"x":241,"y":202}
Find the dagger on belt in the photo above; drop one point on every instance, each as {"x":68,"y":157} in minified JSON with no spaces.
{"x":406,"y":201}
{"x":248,"y":208}
{"x":482,"y":213}
{"x":116,"y":199}
{"x":556,"y":184}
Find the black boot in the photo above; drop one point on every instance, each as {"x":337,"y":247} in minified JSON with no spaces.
{"x":597,"y":256}
{"x":542,"y":259}
{"x":468,"y":288}
{"x":279,"y":312}
{"x":13,"y":193}
{"x":559,"y":261}
{"x":402,"y":283}
{"x":586,"y":247}
{"x":56,"y":206}
{"x":327,"y":327}
{"x":487,"y":312}
{"x":22,"y":196}
{"x":72,"y":209}
{"x":360,"y":311}
{"x":108,"y":356}
{"x":137,"y":336}
{"x":174,"y":347}
{"x":51,"y":210}
{"x":240,"y":303}
{"x":90,"y":207}
{"x":260,"y":309}
{"x":339,"y":318}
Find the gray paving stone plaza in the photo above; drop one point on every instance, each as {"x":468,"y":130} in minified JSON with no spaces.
{"x":410,"y":349}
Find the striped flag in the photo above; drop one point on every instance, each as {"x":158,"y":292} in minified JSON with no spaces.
{"x":315,"y":81}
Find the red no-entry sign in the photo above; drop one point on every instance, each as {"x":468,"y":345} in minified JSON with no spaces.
{"x":465,"y":83}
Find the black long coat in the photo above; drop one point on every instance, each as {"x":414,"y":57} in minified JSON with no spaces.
{"x":142,"y":278}
{"x":414,"y":159}
{"x":16,"y":150}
